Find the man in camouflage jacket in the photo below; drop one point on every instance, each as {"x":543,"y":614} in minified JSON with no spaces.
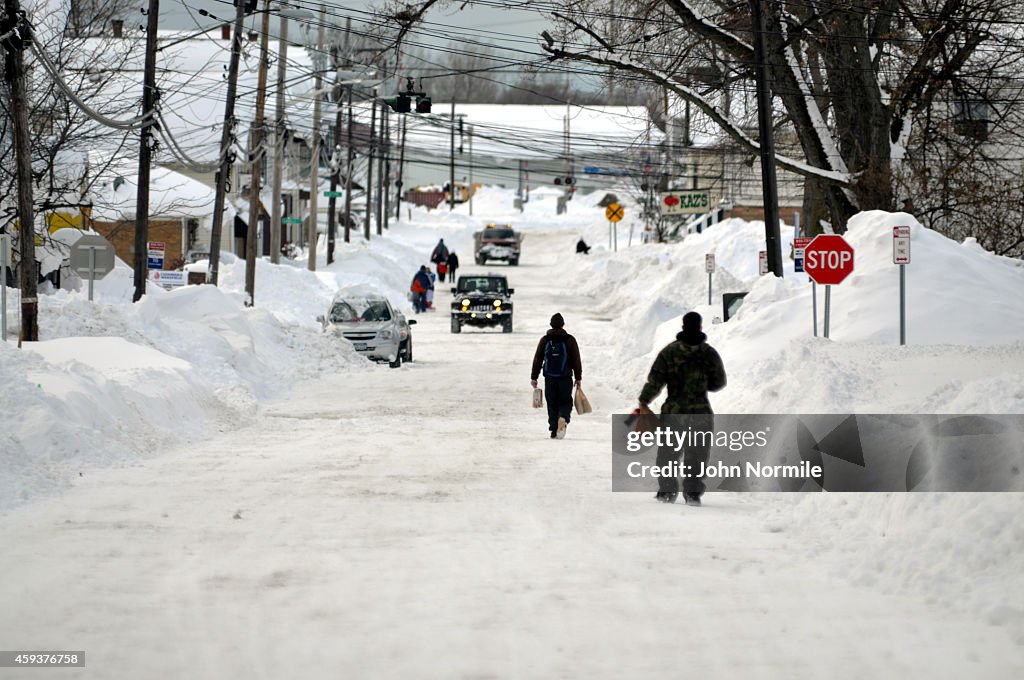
{"x":690,"y":368}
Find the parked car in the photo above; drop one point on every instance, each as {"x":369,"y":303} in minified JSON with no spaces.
{"x":482,"y":300}
{"x":364,"y":317}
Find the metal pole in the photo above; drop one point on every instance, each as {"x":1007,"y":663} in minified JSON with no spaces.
{"x":615,"y":230}
{"x":709,"y":288}
{"x":828,"y":306}
{"x":275,"y":206}
{"x":903,"y":304}
{"x":814,"y":306}
{"x":92,"y":270}
{"x":225,"y":147}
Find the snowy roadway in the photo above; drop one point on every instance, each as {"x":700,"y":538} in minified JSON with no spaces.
{"x":419,"y":523}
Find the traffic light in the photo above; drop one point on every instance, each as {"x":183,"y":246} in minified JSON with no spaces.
{"x":569,"y":181}
{"x":423,"y":104}
{"x":558,"y":181}
{"x":400,"y":104}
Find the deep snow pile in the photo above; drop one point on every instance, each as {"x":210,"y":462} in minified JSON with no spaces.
{"x":113,"y":382}
{"x":958,"y":319}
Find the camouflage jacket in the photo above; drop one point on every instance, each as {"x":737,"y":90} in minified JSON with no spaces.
{"x":690,"y":372}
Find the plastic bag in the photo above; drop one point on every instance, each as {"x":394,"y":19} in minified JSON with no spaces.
{"x":581,"y":402}
{"x":538,"y":397}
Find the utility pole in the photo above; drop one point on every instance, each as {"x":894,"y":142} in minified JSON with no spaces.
{"x":225,"y":144}
{"x":332,"y":203}
{"x":769,"y":189}
{"x":275,"y":206}
{"x":385,"y":185}
{"x":451,"y":163}
{"x":314,"y":173}
{"x":403,"y":122}
{"x":149,"y":96}
{"x":369,"y":164}
{"x":471,"y":192}
{"x":15,"y":76}
{"x":348,"y":172}
{"x":381,"y":187}
{"x":255,"y":154}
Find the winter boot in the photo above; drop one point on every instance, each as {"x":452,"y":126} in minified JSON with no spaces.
{"x":666,"y":496}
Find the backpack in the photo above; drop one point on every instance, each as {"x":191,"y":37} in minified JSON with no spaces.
{"x":556,"y":359}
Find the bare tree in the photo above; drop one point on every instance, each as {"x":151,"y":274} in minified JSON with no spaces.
{"x":850,"y":75}
{"x":70,"y":149}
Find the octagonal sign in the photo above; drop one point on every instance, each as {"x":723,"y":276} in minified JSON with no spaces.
{"x":828,"y":259}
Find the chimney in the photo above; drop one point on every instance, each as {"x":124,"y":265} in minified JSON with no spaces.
{"x":225,"y":32}
{"x":117,"y":25}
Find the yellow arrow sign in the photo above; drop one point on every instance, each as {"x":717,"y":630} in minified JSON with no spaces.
{"x":614,"y":212}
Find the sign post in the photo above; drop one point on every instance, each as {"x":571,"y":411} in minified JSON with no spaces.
{"x":614,"y":212}
{"x":92,"y":257}
{"x":709,"y":267}
{"x":901,"y":256}
{"x":799,"y":245}
{"x":828,"y":260}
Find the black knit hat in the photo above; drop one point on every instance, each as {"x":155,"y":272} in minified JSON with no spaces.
{"x":692,"y":322}
{"x":557,"y":321}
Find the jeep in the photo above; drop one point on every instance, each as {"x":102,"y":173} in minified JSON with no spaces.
{"x":482,"y":300}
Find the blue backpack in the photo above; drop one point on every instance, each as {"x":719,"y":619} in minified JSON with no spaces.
{"x":556,"y":359}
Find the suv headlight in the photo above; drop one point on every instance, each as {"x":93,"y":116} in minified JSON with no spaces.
{"x":497,"y":303}
{"x":384,"y":335}
{"x":465,"y":302}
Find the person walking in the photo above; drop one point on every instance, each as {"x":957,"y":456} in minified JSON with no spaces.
{"x":453,"y":264}
{"x":558,"y":356}
{"x":419,"y":287}
{"x":439,"y":254}
{"x":690,"y":368}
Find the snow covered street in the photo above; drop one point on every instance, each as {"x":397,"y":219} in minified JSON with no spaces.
{"x":419,"y":523}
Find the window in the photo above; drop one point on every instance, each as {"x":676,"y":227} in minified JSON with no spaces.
{"x":970,"y":118}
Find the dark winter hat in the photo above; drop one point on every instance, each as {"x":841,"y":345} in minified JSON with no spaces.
{"x":692,"y":322}
{"x":557,"y":321}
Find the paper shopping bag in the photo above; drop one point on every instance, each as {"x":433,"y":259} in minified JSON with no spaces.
{"x":538,"y":397}
{"x":581,"y":402}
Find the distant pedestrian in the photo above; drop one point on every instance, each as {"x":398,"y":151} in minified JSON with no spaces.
{"x":440,"y":253}
{"x":690,"y":368}
{"x":453,"y":264}
{"x":419,"y":287}
{"x":558,"y":356}
{"x":432,"y":277}
{"x":582,"y":247}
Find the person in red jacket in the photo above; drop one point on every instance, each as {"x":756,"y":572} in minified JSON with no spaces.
{"x":558,"y":356}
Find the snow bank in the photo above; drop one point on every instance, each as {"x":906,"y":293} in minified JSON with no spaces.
{"x":113,"y":382}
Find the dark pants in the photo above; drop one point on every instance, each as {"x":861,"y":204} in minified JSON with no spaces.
{"x":419,"y":301}
{"x":558,"y":395}
{"x":451,"y":274}
{"x":695,"y":456}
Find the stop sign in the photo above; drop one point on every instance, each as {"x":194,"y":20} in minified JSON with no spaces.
{"x":828,"y":259}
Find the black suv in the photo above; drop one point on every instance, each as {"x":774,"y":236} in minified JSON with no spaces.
{"x":482,"y":300}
